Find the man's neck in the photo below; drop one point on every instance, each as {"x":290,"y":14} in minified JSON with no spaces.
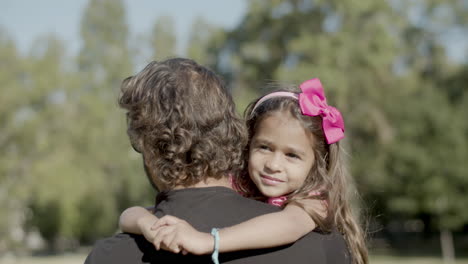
{"x":210,"y":182}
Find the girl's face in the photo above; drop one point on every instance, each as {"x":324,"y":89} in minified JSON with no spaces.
{"x":280,"y":155}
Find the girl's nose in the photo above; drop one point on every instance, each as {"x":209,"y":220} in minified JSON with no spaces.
{"x":273,"y":162}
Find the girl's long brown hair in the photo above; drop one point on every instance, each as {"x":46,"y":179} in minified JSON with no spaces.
{"x":329,"y":175}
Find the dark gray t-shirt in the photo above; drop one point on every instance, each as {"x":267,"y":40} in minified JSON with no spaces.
{"x":205,"y":208}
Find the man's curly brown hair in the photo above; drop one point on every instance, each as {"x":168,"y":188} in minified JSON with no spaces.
{"x":183,"y":120}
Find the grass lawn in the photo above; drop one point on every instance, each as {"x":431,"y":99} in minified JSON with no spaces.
{"x":58,"y":259}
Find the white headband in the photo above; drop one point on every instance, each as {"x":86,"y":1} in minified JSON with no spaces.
{"x":272,"y":95}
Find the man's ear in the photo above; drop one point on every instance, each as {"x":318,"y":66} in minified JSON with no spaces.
{"x":135,"y":148}
{"x":152,"y":179}
{"x":135,"y":141}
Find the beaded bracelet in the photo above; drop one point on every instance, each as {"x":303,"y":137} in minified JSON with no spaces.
{"x":214,"y":256}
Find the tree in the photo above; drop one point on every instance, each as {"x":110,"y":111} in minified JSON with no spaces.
{"x":79,"y":135}
{"x":103,"y":146}
{"x":436,"y":88}
{"x":204,"y":40}
{"x":105,"y":54}
{"x":162,"y":38}
{"x":12,"y":118}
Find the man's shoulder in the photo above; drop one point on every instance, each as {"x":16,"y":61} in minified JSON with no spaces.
{"x":220,"y":208}
{"x":331,"y":245}
{"x":244,"y":202}
{"x":233,"y":209}
{"x":120,"y":248}
{"x":211,"y":207}
{"x":236,"y":201}
{"x":128,"y":248}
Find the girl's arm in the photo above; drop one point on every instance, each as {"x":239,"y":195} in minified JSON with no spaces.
{"x":270,"y":230}
{"x":138,"y":220}
{"x":264,"y":231}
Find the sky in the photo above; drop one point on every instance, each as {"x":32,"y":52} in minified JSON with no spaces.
{"x":26,"y":20}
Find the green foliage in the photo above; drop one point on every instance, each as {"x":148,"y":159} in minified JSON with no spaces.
{"x":162,"y":39}
{"x":68,"y":169}
{"x":204,"y":40}
{"x":104,"y":55}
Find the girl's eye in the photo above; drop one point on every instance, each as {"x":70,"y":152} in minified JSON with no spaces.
{"x":264,"y":147}
{"x":292,"y":155}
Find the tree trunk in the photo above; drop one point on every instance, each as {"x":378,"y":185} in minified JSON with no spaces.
{"x":446,"y":242}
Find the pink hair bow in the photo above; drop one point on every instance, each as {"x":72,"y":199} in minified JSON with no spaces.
{"x":313,"y":103}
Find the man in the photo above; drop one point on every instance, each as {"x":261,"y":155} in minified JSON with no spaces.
{"x":183,"y":122}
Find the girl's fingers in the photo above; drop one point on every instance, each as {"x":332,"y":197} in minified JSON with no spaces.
{"x":169,"y":244}
{"x":177,"y":243}
{"x":165,"y":220}
{"x":160,"y":235}
{"x":167,"y":239}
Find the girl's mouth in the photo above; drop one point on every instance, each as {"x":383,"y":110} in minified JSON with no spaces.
{"x":268,"y":180}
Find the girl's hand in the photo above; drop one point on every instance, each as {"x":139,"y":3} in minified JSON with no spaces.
{"x":176,"y":235}
{"x":144,"y":224}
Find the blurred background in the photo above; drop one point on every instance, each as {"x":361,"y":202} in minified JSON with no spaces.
{"x":397,"y":70}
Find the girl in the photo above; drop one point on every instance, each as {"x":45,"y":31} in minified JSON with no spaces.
{"x":294,"y":161}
